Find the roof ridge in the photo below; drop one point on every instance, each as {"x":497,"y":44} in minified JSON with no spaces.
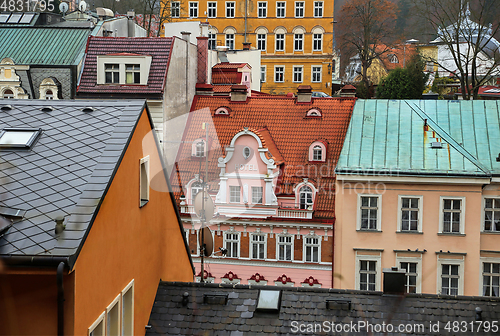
{"x":449,"y":139}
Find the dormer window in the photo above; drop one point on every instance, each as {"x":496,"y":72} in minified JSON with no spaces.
{"x":112,"y":73}
{"x":222,"y":111}
{"x":305,"y":197}
{"x":49,"y":95}
{"x":317,"y":151}
{"x":133,"y":73}
{"x":8,"y":94}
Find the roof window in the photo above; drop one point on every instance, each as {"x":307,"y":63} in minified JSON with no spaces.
{"x":269,"y":301}
{"x":22,"y":138}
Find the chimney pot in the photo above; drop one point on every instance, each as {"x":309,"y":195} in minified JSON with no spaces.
{"x":304,"y":94}
{"x":185,"y":35}
{"x":239,"y":93}
{"x":246,"y":45}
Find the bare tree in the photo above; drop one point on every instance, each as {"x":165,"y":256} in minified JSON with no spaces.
{"x":366,"y":29}
{"x":467,"y":49}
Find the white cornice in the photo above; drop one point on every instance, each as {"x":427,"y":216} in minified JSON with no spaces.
{"x":413,"y":179}
{"x":255,"y":263}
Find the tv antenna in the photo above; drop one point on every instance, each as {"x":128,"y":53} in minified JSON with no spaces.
{"x":63,"y":7}
{"x":82,"y":6}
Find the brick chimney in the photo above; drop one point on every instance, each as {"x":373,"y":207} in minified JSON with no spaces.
{"x":246,"y":45}
{"x":202,"y":43}
{"x":348,"y":91}
{"x":304,"y":94}
{"x":239,"y":93}
{"x":203,"y":89}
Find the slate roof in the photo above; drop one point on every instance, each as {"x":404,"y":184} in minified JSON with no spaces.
{"x":158,"y":47}
{"x":285,"y":122}
{"x":238,"y":317}
{"x":43,"y":46}
{"x":391,"y":136}
{"x":66,"y":173}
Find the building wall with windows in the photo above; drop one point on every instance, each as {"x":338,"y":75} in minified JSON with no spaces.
{"x":418,"y":189}
{"x":288,"y":33}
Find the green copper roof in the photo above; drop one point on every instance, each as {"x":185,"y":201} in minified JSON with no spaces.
{"x":397,"y":136}
{"x":47,"y":46}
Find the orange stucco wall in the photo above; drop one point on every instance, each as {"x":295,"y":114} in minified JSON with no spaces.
{"x":28,"y":302}
{"x":127,"y":242}
{"x":347,"y":238}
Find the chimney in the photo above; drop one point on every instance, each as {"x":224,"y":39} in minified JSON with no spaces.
{"x":394,"y":281}
{"x":202,"y":42}
{"x":203,"y":89}
{"x":221,"y":53}
{"x":304,"y":94}
{"x":185,"y":35}
{"x":131,"y":14}
{"x":348,"y":91}
{"x":246,"y":45}
{"x":239,"y":93}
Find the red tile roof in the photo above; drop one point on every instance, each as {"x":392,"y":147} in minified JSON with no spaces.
{"x":157,"y":47}
{"x":227,"y":65}
{"x":225,"y":77}
{"x":281,"y":123}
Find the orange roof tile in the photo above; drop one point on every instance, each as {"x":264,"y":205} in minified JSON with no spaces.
{"x":282,"y":125}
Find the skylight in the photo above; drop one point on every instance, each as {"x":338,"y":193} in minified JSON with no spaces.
{"x":269,"y":300}
{"x":14,"y":18}
{"x":27,"y":18}
{"x":22,"y":138}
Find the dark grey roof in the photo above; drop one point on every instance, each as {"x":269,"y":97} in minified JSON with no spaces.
{"x":306,"y":306}
{"x":64,"y":174}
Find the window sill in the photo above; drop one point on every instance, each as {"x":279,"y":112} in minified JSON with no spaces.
{"x":143,"y":203}
{"x":368,"y":230}
{"x":451,"y":234}
{"x":410,"y":232}
{"x":490,"y":232}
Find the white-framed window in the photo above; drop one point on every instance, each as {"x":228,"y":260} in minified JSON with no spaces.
{"x":8,"y":94}
{"x":312,"y":248}
{"x":279,"y":74}
{"x":258,"y":246}
{"x":297,"y":74}
{"x":132,"y":74}
{"x":410,"y":210}
{"x":280,"y":42}
{"x":368,"y":272}
{"x":127,"y":315}
{"x":111,"y":73}
{"x":256,"y":195}
{"x":262,"y":9}
{"x":298,"y":42}
{"x":98,"y":328}
{"x":261,"y":42}
{"x":490,"y":277}
{"x":49,"y":95}
{"x":230,"y":8}
{"x":144,"y":181}
{"x":113,"y":317}
{"x":199,"y":148}
{"x":317,"y":42}
{"x":452,"y":215}
{"x":196,"y":187}
{"x":263,"y":74}
{"x":212,"y":9}
{"x":212,"y":41}
{"x":299,"y":9}
{"x":230,"y":41}
{"x":234,"y":194}
{"x":491,"y":222}
{"x":193,"y":9}
{"x":369,"y":212}
{"x":285,"y":247}
{"x":450,"y":276}
{"x":175,"y":9}
{"x":318,"y":8}
{"x":316,"y":74}
{"x":232,"y":244}
{"x":413,"y":269}
{"x":280,"y":9}
{"x":317,"y":153}
{"x":305,"y":197}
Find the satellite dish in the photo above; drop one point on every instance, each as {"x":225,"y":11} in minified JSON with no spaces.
{"x":82,"y":6}
{"x":208,"y":241}
{"x":204,"y":197}
{"x":63,"y":7}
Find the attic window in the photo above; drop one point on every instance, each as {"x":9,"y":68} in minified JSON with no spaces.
{"x":393,"y":58}
{"x":222,"y":111}
{"x":313,"y":113}
{"x":22,"y":138}
{"x":269,"y":301}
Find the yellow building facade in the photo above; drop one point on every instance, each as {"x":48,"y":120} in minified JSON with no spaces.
{"x":295,"y":37}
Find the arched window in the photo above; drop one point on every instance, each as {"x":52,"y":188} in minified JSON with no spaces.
{"x":317,"y":153}
{"x":305,"y":197}
{"x":196,"y":187}
{"x":49,"y":94}
{"x":8,"y":94}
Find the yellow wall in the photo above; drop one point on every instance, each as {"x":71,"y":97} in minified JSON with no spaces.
{"x":347,"y":238}
{"x":289,"y":57}
{"x":128,"y":242}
